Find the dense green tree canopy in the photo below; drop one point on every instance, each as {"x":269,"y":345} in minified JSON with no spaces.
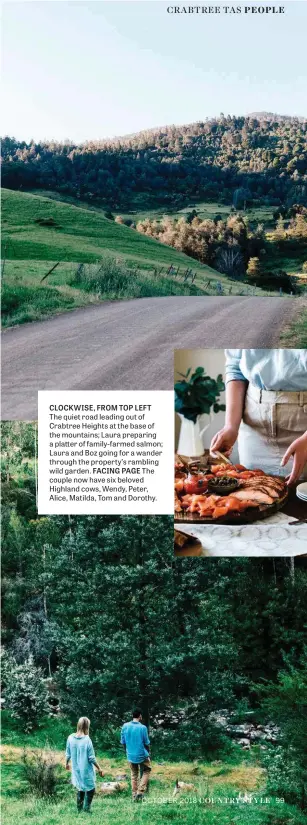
{"x":239,"y":160}
{"x":105,"y":609}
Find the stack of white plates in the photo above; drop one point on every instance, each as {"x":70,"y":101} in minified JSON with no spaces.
{"x":301,"y":491}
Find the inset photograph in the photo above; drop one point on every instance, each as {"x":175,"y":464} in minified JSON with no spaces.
{"x":241,"y":452}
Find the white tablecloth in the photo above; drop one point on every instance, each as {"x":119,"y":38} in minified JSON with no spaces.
{"x":274,"y":537}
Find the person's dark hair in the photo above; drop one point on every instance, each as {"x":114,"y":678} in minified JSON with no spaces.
{"x":137,"y":713}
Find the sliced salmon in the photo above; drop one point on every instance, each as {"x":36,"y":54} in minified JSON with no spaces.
{"x":177,"y":504}
{"x":254,"y":495}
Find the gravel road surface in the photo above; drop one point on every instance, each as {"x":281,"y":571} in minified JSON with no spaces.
{"x":127,"y":344}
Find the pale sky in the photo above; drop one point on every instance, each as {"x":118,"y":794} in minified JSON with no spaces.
{"x":90,"y":70}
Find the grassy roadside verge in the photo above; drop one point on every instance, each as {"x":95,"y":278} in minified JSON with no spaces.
{"x":26,"y":297}
{"x":24,"y":302}
{"x":294,"y":334}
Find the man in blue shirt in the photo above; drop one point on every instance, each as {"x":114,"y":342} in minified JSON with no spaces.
{"x":134,"y":738}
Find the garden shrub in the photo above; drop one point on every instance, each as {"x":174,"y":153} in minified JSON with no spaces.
{"x":40,"y":770}
{"x":25,"y":693}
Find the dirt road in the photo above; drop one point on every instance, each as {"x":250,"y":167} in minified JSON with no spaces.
{"x":127,"y":344}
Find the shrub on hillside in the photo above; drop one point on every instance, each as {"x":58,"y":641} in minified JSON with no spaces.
{"x":110,"y":276}
{"x":25,"y":693}
{"x":47,"y":222}
{"x":14,"y":296}
{"x":40,"y":771}
{"x":112,"y":279}
{"x":283,"y":774}
{"x":274,"y":280}
{"x":27,"y":303}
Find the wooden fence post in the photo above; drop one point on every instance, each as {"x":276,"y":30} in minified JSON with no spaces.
{"x":49,"y":272}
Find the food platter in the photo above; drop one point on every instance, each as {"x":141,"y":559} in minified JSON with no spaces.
{"x":250,"y":515}
{"x":254,"y":495}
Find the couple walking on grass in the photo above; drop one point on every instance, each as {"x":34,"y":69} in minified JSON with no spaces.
{"x":81,"y":759}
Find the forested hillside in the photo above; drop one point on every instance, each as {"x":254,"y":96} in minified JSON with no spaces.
{"x":233,"y":160}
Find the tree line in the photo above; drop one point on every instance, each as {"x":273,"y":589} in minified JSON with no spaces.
{"x":232,"y":246}
{"x":239,"y":160}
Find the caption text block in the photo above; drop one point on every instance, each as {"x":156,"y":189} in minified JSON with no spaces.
{"x":105,"y":452}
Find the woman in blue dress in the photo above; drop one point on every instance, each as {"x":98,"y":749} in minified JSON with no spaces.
{"x":80,"y":753}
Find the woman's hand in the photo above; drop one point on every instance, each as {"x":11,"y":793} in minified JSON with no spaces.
{"x":298,"y":450}
{"x":224,"y":440}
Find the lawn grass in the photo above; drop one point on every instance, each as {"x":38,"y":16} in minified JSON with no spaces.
{"x":218,"y":798}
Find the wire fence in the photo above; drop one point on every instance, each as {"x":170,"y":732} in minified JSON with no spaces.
{"x":216,"y":287}
{"x":185,"y":275}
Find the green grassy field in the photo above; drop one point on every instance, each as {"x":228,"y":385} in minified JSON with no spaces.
{"x":205,"y":210}
{"x":139,"y":211}
{"x":75,"y":236}
{"x":78,"y":235}
{"x":218,"y":787}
